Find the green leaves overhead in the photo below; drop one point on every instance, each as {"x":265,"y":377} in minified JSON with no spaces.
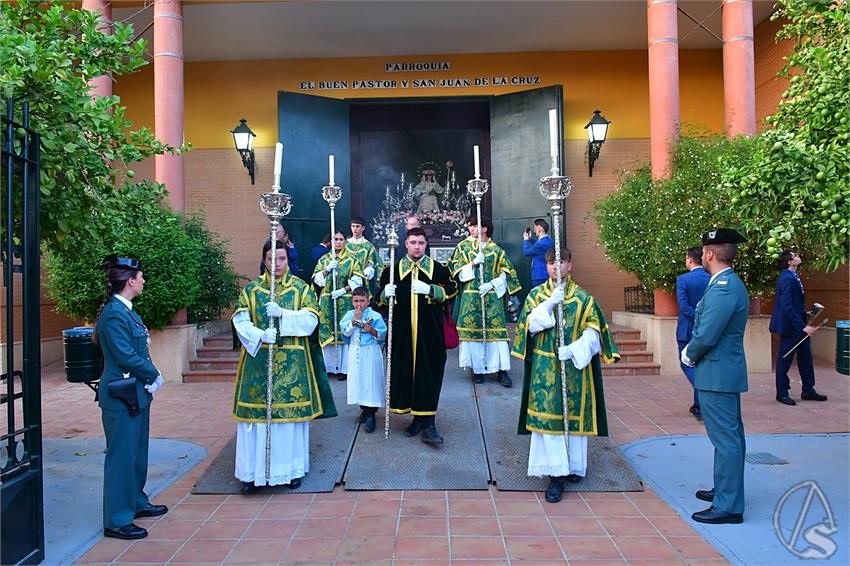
{"x":794,"y":189}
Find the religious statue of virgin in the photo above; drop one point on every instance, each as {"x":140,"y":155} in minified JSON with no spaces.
{"x":428,"y":188}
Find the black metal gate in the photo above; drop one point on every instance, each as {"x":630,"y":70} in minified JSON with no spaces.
{"x":21,"y":497}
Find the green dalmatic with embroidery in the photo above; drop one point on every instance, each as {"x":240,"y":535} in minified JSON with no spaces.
{"x":542,"y":404}
{"x":468,"y":316}
{"x":348,"y":266}
{"x":300,"y":388}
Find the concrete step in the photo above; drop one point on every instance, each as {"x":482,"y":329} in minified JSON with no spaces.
{"x":631,"y":368}
{"x":637,"y":356}
{"x":217,"y":352}
{"x":630,"y":345}
{"x":219,"y":340}
{"x":623,"y":333}
{"x":214,"y":363}
{"x":209,"y":375}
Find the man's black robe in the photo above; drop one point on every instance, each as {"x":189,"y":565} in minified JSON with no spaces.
{"x":419,"y":351}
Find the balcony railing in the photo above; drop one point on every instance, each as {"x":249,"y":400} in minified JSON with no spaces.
{"x":639,"y":299}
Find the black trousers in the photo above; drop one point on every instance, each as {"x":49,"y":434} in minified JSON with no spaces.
{"x":803,"y":353}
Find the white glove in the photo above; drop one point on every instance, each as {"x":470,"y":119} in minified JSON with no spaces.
{"x":478,"y":259}
{"x":485,"y":288}
{"x":155,"y":385}
{"x":355,"y":282}
{"x":369,"y":272}
{"x":273,"y":310}
{"x":389,"y":290}
{"x":319,"y":279}
{"x":269,"y":336}
{"x":420,"y":287}
{"x":564,"y":353}
{"x":685,"y":359}
{"x":555,"y":299}
{"x":338,"y":293}
{"x":332,"y":264}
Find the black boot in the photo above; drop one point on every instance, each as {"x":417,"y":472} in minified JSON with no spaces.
{"x":555,"y":489}
{"x":504,"y":379}
{"x":414,"y":427}
{"x":429,"y":432}
{"x":294,"y":484}
{"x":477,"y":378}
{"x":370,"y":419}
{"x":248,"y":488}
{"x":341,"y":376}
{"x":362,"y":418}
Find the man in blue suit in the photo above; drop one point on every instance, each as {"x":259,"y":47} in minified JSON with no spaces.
{"x":717,"y":350}
{"x":789,"y":321}
{"x":690,"y":287}
{"x":536,"y":249}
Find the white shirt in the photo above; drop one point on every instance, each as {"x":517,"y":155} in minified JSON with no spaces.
{"x":127,"y":302}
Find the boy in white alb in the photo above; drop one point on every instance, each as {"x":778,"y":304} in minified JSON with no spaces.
{"x":365,"y":330}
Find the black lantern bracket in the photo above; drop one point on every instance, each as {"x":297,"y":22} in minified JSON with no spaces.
{"x":243,"y":139}
{"x":597,"y":133}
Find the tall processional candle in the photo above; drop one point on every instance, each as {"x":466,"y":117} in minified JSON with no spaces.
{"x":278,"y":160}
{"x":477,"y":164}
{"x":330,"y":170}
{"x":553,"y":136}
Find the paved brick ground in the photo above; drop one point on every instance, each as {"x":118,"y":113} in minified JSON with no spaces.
{"x":425,"y":527}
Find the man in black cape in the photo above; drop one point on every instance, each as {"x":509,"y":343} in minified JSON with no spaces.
{"x":421,"y":288}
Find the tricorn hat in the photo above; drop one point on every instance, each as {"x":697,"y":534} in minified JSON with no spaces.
{"x":114,"y":260}
{"x":722,"y":236}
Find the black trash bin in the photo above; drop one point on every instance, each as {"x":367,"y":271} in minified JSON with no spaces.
{"x":842,"y":346}
{"x":83,"y":360}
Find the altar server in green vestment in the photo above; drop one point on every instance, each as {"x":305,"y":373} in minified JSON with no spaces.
{"x":366,"y":251}
{"x":499,"y":278}
{"x":587,"y":340}
{"x":300,"y":389}
{"x":349,"y":276}
{"x":123,"y":339}
{"x":421,"y":287}
{"x":717,"y":350}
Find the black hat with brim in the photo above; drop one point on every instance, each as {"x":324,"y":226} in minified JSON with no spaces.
{"x":114,"y":260}
{"x":722,"y":236}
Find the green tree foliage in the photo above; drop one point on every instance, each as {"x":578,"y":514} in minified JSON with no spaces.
{"x":172,"y":259}
{"x":48,"y":53}
{"x":794,"y":190}
{"x":647,"y":224}
{"x":219,"y":283}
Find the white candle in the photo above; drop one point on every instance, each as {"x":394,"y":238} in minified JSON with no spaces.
{"x":477,"y":165}
{"x":553,"y":133}
{"x":402,"y":179}
{"x":278,"y":157}
{"x":330,"y":170}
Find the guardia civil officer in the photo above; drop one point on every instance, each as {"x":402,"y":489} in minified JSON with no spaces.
{"x":716,"y":349}
{"x":126,"y":385}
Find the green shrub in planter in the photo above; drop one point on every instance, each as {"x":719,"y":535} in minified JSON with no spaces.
{"x":647,"y":225}
{"x":139,"y":226}
{"x":219,"y":283}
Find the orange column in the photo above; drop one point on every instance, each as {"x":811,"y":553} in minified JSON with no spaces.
{"x":663,"y":47}
{"x":739,"y":93}
{"x":168,"y":94}
{"x":102,"y":85}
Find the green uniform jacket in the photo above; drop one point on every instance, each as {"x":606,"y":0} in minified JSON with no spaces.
{"x":496,"y":262}
{"x":717,"y":343}
{"x":123,"y":338}
{"x":542,"y":403}
{"x":300,"y":388}
{"x":348,"y":266}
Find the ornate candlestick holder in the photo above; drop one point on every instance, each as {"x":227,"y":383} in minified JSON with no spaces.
{"x":392,"y":243}
{"x":332,"y":194}
{"x":275,"y":205}
{"x":477,"y":188}
{"x":555,"y":188}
